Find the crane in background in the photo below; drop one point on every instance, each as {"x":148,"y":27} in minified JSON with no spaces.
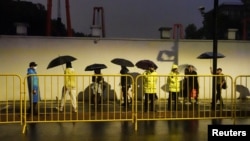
{"x":68,"y":20}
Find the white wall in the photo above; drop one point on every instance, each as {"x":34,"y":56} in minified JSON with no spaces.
{"x":17,"y":51}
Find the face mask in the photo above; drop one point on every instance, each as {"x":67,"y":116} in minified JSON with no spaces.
{"x":35,"y":68}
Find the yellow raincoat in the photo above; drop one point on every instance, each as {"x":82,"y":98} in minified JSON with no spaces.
{"x":149,"y":82}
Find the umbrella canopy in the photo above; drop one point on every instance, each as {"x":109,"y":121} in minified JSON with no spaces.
{"x":122,"y":62}
{"x":145,"y":64}
{"x":95,"y":66}
{"x":209,"y":55}
{"x":60,"y":60}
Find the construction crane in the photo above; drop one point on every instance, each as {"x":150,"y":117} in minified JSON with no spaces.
{"x":68,"y":20}
{"x":98,"y":16}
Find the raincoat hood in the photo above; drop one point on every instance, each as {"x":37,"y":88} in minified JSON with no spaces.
{"x":174,"y":66}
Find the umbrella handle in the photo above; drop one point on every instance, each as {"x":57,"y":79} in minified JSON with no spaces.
{"x":63,"y":68}
{"x":62,"y":64}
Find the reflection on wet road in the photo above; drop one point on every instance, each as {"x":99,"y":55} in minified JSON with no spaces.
{"x":174,"y":130}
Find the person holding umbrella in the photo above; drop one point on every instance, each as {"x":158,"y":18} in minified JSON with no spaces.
{"x":69,"y":87}
{"x":125,"y":84}
{"x":97,"y":87}
{"x":33,"y":87}
{"x":174,"y":87}
{"x":125,"y":80}
{"x":149,"y":87}
{"x":219,"y":81}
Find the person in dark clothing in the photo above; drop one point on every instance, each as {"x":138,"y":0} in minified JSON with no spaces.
{"x":185,"y":86}
{"x":125,"y":84}
{"x":192,"y":85}
{"x":97,"y":87}
{"x":219,"y":81}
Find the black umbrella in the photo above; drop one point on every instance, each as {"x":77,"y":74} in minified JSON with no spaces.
{"x":95,"y":67}
{"x":60,"y":60}
{"x":209,"y":55}
{"x":145,"y":64}
{"x":122,"y":62}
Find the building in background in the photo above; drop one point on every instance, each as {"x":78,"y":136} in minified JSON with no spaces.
{"x":232,"y":17}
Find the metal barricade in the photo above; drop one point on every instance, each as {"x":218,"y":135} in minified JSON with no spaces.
{"x":10,"y":99}
{"x":184,"y":110}
{"x":105,"y":106}
{"x":14,"y":100}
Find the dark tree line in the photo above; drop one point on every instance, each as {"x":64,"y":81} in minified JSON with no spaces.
{"x":34,"y":15}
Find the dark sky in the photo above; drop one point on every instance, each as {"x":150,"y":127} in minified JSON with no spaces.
{"x":134,"y":18}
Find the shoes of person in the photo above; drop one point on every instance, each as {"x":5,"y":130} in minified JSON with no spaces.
{"x":29,"y":110}
{"x":197,"y":103}
{"x":59,"y":109}
{"x":124,"y":104}
{"x":75,"y":110}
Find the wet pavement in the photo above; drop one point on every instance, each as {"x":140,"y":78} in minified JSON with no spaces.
{"x":171,"y":130}
{"x":148,"y":130}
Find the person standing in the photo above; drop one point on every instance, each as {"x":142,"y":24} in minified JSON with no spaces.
{"x":69,"y":87}
{"x":33,"y":87}
{"x":185,"y":85}
{"x":149,"y":87}
{"x":125,"y":84}
{"x":97,"y":87}
{"x":219,"y":81}
{"x":192,"y":85}
{"x":174,"y":87}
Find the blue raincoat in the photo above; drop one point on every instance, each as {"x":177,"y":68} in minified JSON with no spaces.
{"x":33,"y":85}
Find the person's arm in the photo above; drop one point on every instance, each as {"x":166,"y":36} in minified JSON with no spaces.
{"x":211,"y":70}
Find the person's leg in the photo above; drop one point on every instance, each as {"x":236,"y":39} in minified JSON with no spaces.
{"x":197,"y":96}
{"x":73,"y":98}
{"x":169,"y":100}
{"x":218,"y":91}
{"x":129,"y":95}
{"x":100,"y":93}
{"x":190,"y":95}
{"x":175,"y":97}
{"x":219,"y":95}
{"x":35,"y":100}
{"x":124,"y":94}
{"x":64,"y":91}
{"x":184,"y":91}
{"x":94,"y":90}
{"x":99,"y":98}
{"x":185,"y":95}
{"x":146,"y":102}
{"x":152,"y":98}
{"x":30,"y":102}
{"x":35,"y":108}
